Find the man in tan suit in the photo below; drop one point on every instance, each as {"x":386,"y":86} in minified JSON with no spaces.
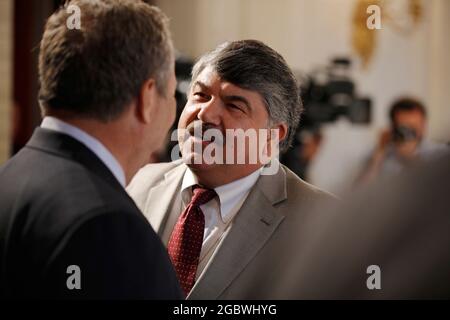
{"x":225,"y":223}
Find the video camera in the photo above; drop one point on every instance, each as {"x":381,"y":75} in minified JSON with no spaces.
{"x":329,"y":93}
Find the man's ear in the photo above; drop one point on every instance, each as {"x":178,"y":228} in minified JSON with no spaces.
{"x":282,"y":131}
{"x":146,"y":101}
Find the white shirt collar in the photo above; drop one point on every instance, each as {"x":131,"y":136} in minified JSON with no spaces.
{"x":90,"y":142}
{"x":230,"y":194}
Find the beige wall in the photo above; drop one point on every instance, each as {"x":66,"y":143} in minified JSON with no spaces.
{"x":308,"y":33}
{"x":439,"y":72}
{"x":6,"y":46}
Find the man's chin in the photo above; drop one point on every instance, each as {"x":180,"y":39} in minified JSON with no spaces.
{"x":202,"y":167}
{"x":197,"y":163}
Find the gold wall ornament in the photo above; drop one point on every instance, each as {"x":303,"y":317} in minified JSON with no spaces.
{"x":363,"y":39}
{"x":402,"y":16}
{"x":416,"y":10}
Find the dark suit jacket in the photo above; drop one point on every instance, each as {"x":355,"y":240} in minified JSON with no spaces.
{"x":61,"y":206}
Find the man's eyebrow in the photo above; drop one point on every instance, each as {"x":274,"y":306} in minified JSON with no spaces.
{"x":227,"y":98}
{"x":200,"y":84}
{"x":238,"y":98}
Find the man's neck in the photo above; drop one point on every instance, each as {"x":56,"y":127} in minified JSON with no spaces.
{"x":113,"y":136}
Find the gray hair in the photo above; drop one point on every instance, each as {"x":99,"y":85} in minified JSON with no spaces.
{"x":252,"y":65}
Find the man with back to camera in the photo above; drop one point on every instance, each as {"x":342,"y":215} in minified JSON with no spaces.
{"x":222,"y":220}
{"x":68,"y":229}
{"x":403,"y":143}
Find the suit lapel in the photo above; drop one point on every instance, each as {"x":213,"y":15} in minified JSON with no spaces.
{"x":163,"y":196}
{"x":251,"y":229}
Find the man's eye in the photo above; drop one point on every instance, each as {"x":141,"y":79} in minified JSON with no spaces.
{"x":233,"y":106}
{"x":199,"y":95}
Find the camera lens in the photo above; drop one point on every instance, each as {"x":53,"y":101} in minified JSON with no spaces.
{"x":404,"y":133}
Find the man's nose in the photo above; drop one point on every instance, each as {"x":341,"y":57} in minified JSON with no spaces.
{"x":211,"y":112}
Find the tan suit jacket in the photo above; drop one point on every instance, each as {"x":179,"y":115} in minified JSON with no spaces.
{"x":251,"y":256}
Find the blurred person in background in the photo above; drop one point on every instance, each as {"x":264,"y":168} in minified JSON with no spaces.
{"x":305,"y":149}
{"x":387,"y":240}
{"x":68,"y":229}
{"x":403,"y":143}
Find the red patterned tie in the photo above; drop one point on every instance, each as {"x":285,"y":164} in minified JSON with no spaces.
{"x":186,"y":239}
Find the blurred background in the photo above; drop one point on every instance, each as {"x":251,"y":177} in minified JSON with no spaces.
{"x":349,"y":75}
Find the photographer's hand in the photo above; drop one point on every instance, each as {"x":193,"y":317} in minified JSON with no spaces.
{"x":374,"y":164}
{"x":384,"y":139}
